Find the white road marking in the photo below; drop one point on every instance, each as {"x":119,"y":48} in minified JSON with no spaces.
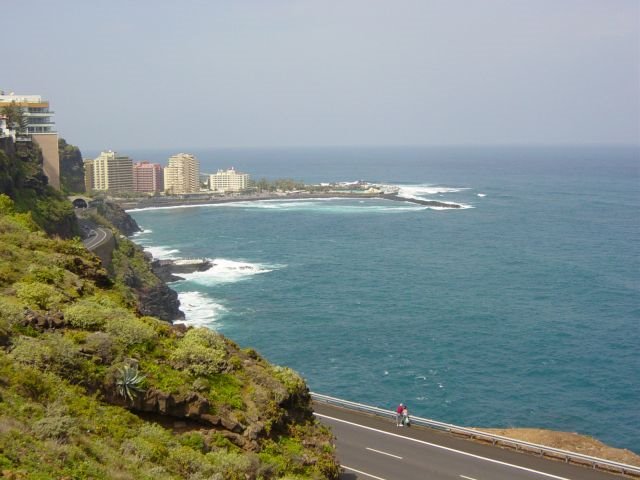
{"x":468,"y":478}
{"x":491,"y":460}
{"x":384,"y":453}
{"x":362,"y":473}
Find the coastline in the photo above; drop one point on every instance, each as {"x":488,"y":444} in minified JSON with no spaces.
{"x":182,"y":201}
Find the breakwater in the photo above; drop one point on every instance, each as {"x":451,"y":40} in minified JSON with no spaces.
{"x":177,"y":201}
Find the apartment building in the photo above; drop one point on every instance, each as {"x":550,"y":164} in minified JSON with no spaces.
{"x":41,"y":127}
{"x":148,"y":177}
{"x":182,"y":175}
{"x":112,"y":172}
{"x":228,"y":181}
{"x":88,"y":175}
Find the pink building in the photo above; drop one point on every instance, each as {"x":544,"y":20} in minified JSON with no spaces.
{"x":148,"y":177}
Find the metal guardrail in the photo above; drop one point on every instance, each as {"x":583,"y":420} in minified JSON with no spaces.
{"x":519,"y":445}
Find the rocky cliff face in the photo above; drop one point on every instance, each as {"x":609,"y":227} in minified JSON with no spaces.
{"x":161,"y":302}
{"x":120,"y":219}
{"x":71,"y":167}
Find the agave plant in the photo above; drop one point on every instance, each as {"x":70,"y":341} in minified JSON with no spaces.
{"x":129,"y":381}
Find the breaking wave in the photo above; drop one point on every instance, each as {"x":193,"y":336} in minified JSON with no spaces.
{"x":199,"y":310}
{"x":162,"y":253}
{"x":228,"y":271}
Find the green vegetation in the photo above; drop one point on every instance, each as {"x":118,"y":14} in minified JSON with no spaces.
{"x":22,"y":179}
{"x":71,"y":167}
{"x":89,"y":388}
{"x":280,"y":184}
{"x":15,"y":118}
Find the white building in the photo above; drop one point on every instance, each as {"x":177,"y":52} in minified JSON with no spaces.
{"x":5,"y":131}
{"x":112,"y":172}
{"x":40,"y":125}
{"x":182,"y":175}
{"x":228,"y":181}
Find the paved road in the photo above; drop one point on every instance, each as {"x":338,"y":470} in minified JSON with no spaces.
{"x":97,"y":237}
{"x":374,"y":448}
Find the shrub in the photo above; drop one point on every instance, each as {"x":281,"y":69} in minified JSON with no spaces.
{"x":100,"y":344}
{"x":200,"y":352}
{"x":56,"y":424}
{"x":50,"y":352}
{"x":46,"y":274}
{"x":6,"y":205}
{"x":291,"y":380}
{"x":129,"y":331}
{"x":93,"y":314}
{"x":233,"y":465}
{"x":39,"y":295}
{"x":10,"y":312}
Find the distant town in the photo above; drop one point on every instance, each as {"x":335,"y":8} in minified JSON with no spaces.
{"x":28,"y":118}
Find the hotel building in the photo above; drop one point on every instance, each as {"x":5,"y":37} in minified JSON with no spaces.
{"x":182,"y":175}
{"x":228,"y":181}
{"x":112,"y":172}
{"x":148,"y":177}
{"x":41,"y":128}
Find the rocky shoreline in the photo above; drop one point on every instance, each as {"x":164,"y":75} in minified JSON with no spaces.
{"x":169,"y":270}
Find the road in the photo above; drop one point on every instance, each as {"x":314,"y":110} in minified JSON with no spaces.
{"x":97,"y":236}
{"x":374,"y":448}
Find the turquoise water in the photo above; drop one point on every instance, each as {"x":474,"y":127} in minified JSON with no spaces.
{"x":520,"y":310}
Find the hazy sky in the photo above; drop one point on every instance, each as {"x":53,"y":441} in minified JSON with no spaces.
{"x":124,"y":74}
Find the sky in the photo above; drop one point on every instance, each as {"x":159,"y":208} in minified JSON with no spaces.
{"x":265,"y":73}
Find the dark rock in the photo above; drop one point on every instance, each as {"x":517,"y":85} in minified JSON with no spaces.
{"x":159,"y":301}
{"x":118,"y":217}
{"x":45,"y":321}
{"x":169,"y":271}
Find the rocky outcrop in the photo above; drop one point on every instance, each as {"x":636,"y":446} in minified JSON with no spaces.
{"x":43,"y":321}
{"x":159,"y":301}
{"x":120,"y":219}
{"x":170,"y":270}
{"x":71,"y":167}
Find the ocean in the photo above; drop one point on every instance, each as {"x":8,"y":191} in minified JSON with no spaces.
{"x":521,"y":309}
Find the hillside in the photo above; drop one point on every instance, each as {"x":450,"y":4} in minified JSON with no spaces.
{"x":92,"y":388}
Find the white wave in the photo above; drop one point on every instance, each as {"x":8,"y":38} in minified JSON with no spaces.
{"x":421,"y":191}
{"x":228,"y":271}
{"x":144,"y":231}
{"x":482,"y":194}
{"x":199,"y":310}
{"x":162,"y":253}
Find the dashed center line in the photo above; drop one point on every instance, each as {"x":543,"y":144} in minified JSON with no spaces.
{"x":383,"y":453}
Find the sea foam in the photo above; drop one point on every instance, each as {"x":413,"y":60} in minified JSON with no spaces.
{"x":228,"y":271}
{"x":163,"y":253}
{"x":199,"y":310}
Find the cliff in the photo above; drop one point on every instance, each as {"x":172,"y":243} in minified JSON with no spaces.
{"x":116,"y":216}
{"x":71,"y":167}
{"x":91,"y":387}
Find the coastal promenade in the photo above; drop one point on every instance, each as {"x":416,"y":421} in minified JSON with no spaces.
{"x":371,"y":447}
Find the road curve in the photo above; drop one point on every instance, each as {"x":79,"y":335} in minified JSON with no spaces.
{"x":101,"y":236}
{"x":374,"y":448}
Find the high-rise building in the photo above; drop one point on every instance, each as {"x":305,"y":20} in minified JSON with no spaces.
{"x":88,"y":175}
{"x":113,"y":172}
{"x":228,"y":181}
{"x":182,"y":175}
{"x":148,"y":177}
{"x":41,"y":128}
